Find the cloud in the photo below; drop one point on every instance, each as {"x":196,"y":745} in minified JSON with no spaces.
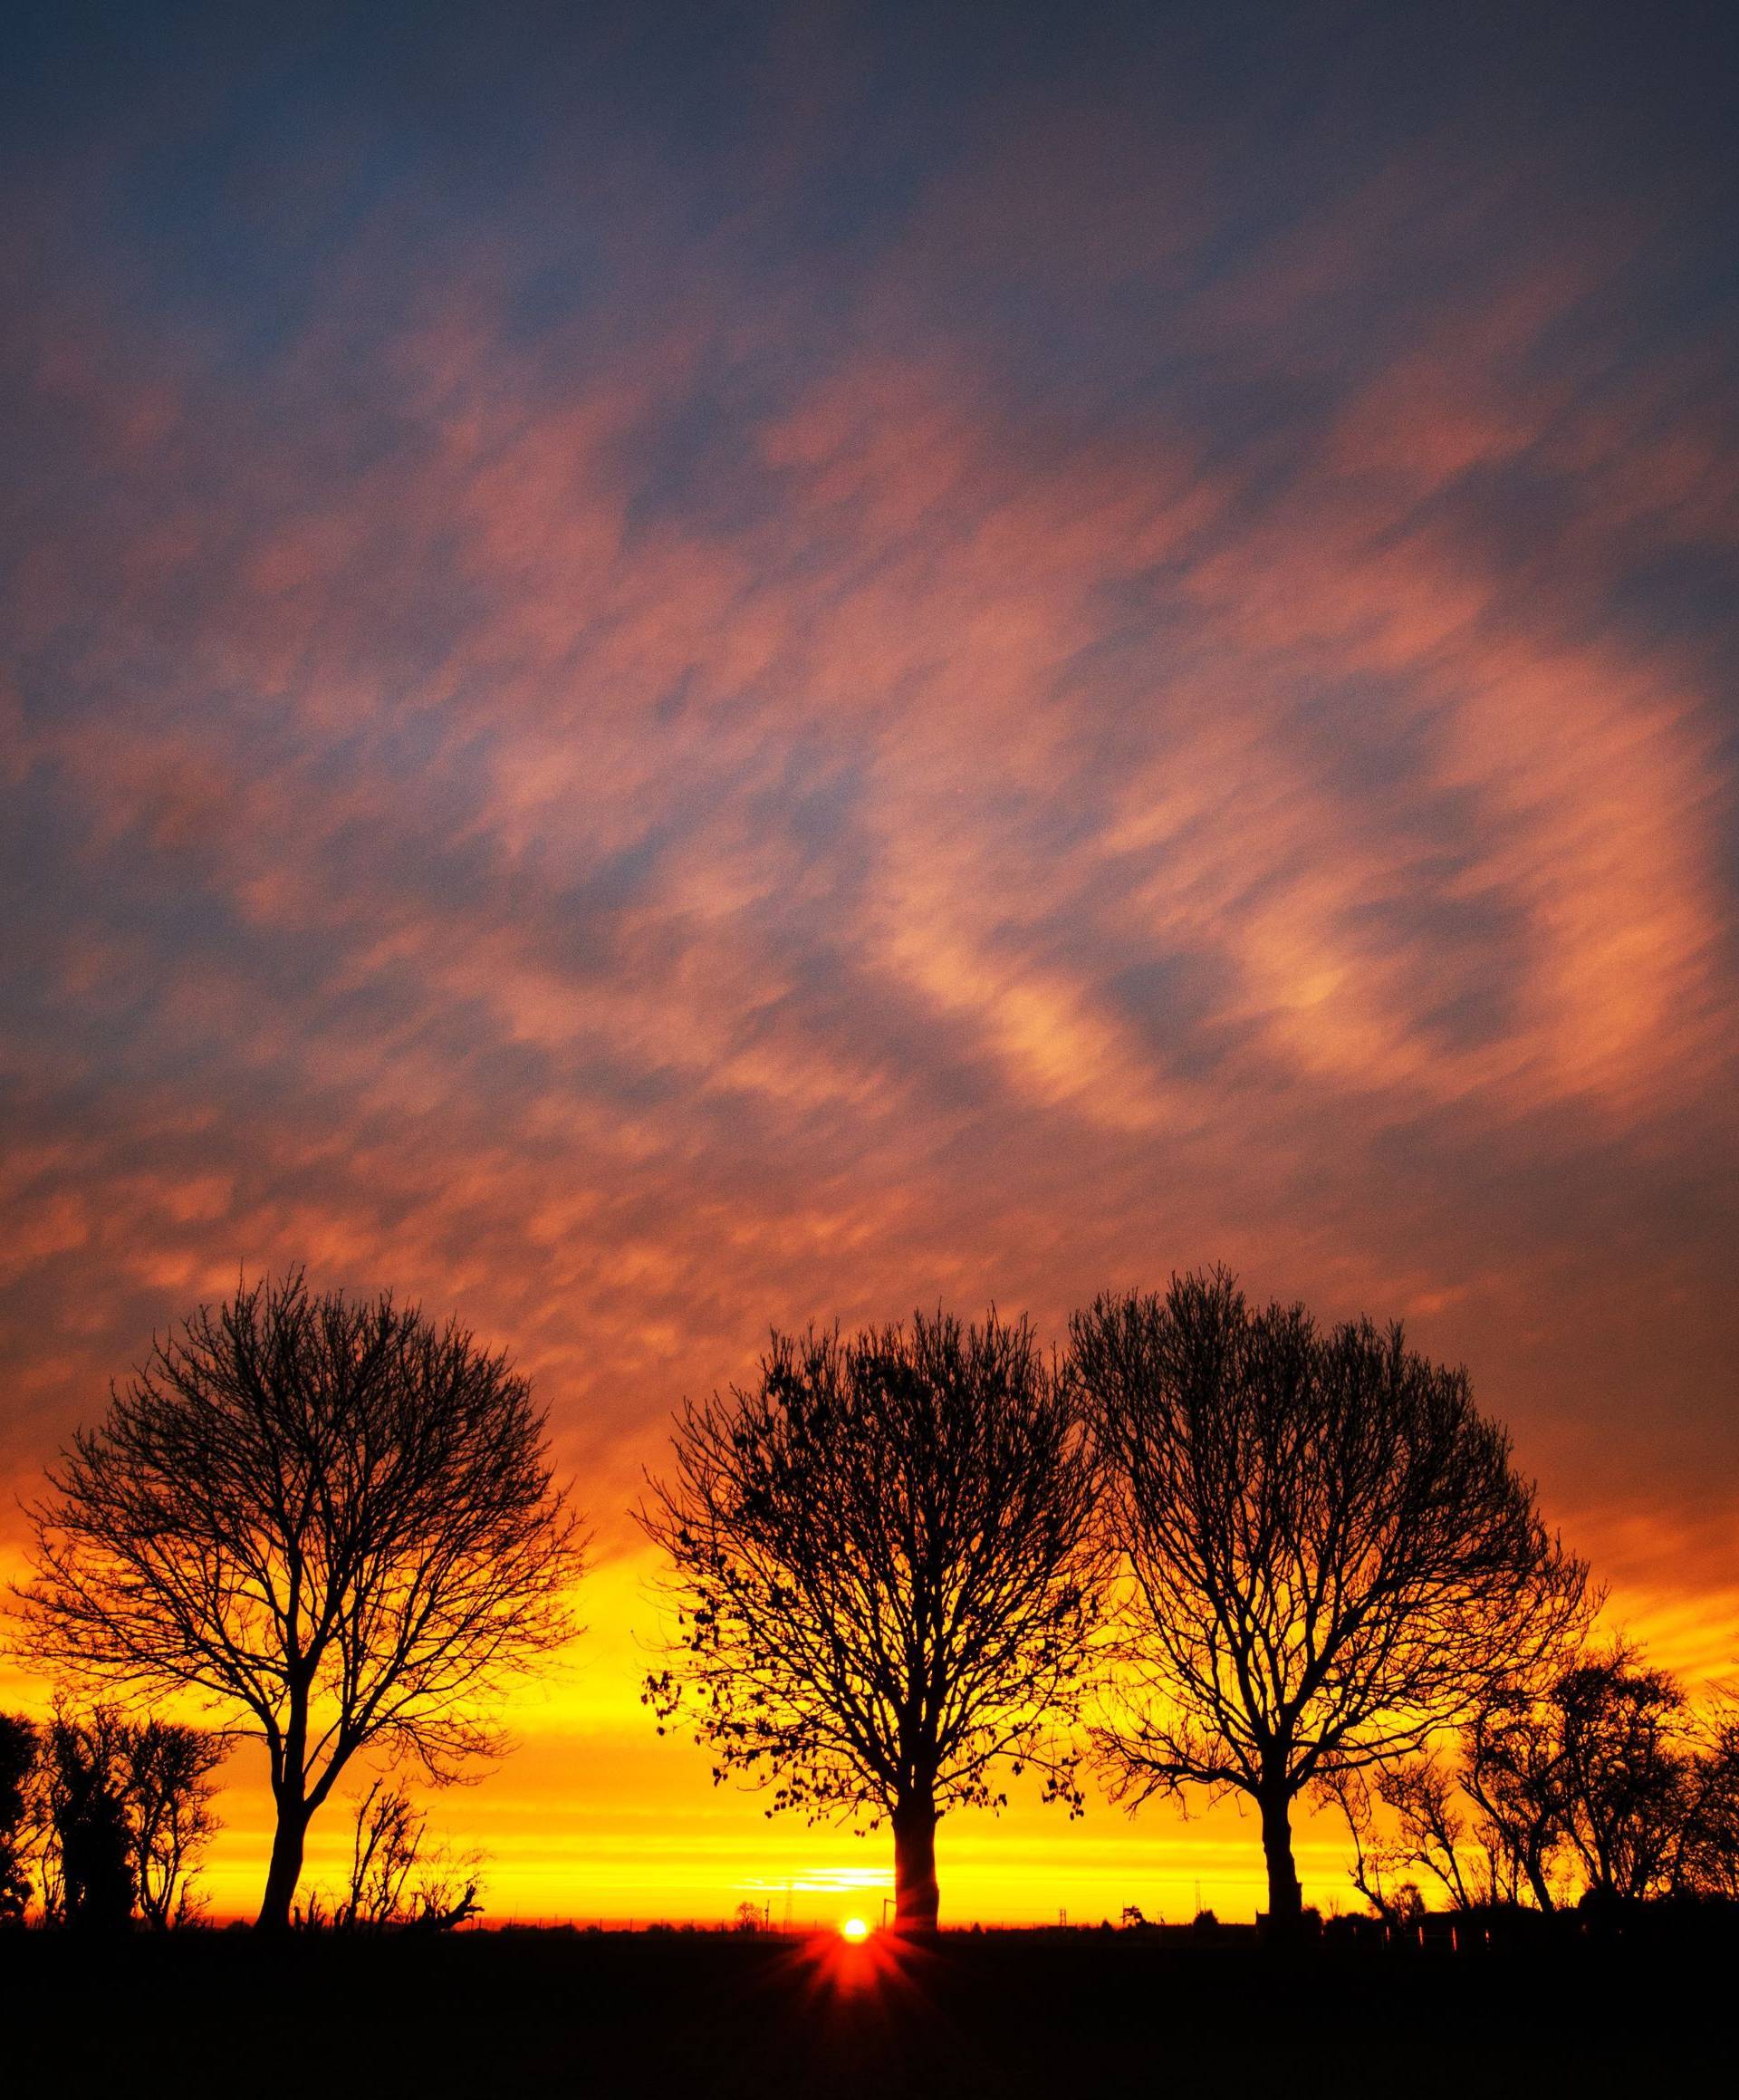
{"x":643,"y":749}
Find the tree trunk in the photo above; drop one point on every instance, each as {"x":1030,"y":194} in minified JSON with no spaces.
{"x":1538,"y":1882}
{"x":285,"y":1869}
{"x":916,"y":1894}
{"x":1285,"y":1899}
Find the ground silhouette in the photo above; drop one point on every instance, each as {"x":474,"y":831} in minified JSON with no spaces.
{"x":733,"y":2014}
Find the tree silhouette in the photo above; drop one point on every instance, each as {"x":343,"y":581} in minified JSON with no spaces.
{"x":18,"y":1752}
{"x":1510,"y":1768}
{"x":131,"y":1799}
{"x":166,"y":1772}
{"x":1379,"y":1861}
{"x":1584,"y":1775}
{"x":335,"y":1520}
{"x":1438,"y":1836}
{"x":1708,"y":1859}
{"x":887,"y":1576}
{"x":386,"y":1843}
{"x":1328,"y":1552}
{"x":89,"y":1832}
{"x":1483,"y":1816}
{"x":1625,"y":1787}
{"x":397,"y":1880}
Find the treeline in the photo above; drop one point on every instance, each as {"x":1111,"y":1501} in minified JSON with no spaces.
{"x":105,"y":1821}
{"x":1209,"y":1546}
{"x":103,"y":1817}
{"x":1596,"y":1781}
{"x":1212,"y":1548}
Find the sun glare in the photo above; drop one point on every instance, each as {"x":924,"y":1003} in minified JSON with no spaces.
{"x":854,"y":1929}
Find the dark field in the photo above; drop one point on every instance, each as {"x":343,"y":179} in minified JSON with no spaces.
{"x":721,"y":2016}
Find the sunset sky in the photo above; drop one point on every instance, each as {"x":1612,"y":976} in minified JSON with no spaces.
{"x":671,"y":669}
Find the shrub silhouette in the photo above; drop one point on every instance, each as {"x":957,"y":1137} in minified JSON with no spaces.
{"x":18,"y":1753}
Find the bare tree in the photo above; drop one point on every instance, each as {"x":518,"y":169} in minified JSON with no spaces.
{"x":1708,"y":1858}
{"x":1625,"y":1780}
{"x":334,"y":1519}
{"x":1481,"y":1815}
{"x":1511,"y":1770}
{"x":1422,"y":1794}
{"x":1587,"y":1774}
{"x":887,"y":1576}
{"x":397,"y":1880}
{"x":1328,"y":1549}
{"x":166,"y":1773}
{"x":1379,"y":1860}
{"x":1445,"y":1824}
{"x":386,"y":1840}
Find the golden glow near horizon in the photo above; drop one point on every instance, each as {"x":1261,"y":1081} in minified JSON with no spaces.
{"x":592,"y":1817}
{"x":855,"y":1930}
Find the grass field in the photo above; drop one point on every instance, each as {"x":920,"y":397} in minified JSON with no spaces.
{"x":719,"y":2016}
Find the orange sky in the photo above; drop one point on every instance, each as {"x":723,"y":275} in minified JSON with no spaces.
{"x":655,"y":689}
{"x":593,"y":1816}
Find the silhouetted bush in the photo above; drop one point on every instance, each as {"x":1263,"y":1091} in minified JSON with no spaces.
{"x":92,"y":1841}
{"x":18,"y":1752}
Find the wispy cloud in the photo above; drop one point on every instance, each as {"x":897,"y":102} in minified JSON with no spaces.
{"x":650,"y":736}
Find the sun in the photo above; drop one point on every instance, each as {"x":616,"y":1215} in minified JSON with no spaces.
{"x":854,"y":1929}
